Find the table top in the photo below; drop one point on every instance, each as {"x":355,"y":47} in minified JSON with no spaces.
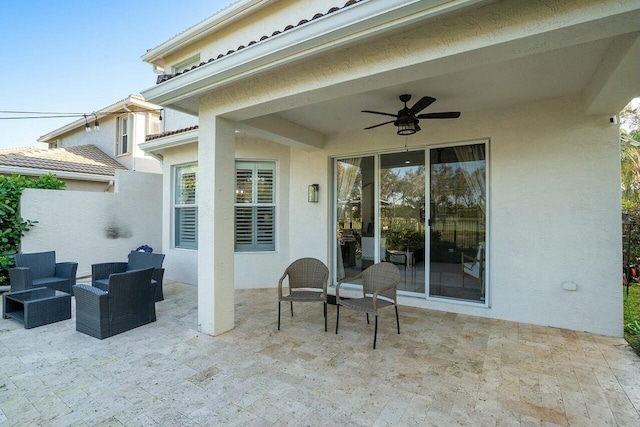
{"x":33,"y":294}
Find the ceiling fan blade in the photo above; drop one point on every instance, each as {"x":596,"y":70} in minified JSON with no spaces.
{"x":379,"y":112}
{"x":443,"y":115}
{"x":421,"y":104}
{"x":380,"y":124}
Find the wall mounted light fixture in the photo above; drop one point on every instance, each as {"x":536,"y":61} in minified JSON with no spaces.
{"x":312,"y":193}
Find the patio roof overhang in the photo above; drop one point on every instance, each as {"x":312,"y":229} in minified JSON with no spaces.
{"x":588,"y":50}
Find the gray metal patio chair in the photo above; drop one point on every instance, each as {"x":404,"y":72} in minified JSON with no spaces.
{"x":379,"y":285}
{"x":137,"y":260}
{"x":129,"y":303}
{"x":307,"y":283}
{"x":40,"y":269}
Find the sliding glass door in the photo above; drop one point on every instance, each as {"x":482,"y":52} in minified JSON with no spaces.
{"x":402,"y":216}
{"x":423,"y":210}
{"x":380,"y":215}
{"x":457,"y":204}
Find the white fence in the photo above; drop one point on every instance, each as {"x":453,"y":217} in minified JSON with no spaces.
{"x":92,"y":227}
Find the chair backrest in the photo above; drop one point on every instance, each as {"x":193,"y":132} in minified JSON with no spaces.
{"x":130,"y":291}
{"x":475,"y":267}
{"x":141,"y":260}
{"x":380,"y":276}
{"x":307,"y":273}
{"x":42,"y":264}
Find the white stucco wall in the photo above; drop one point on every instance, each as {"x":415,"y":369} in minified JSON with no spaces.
{"x":174,"y":120}
{"x":104,"y":139}
{"x":92,"y":227}
{"x":278,"y":15}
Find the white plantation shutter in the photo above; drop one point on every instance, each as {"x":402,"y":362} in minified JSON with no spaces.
{"x":186,"y":209}
{"x":255,"y":206}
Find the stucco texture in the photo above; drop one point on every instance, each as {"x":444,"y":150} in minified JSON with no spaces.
{"x":91,"y":227}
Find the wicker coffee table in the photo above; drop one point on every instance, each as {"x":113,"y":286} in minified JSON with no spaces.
{"x":37,"y":306}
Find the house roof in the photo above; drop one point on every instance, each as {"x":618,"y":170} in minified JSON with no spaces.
{"x":169,"y":133}
{"x":118,"y":107}
{"x":164,"y":77}
{"x":81,"y":159}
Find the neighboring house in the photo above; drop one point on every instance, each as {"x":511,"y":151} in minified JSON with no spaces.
{"x":526,"y":180}
{"x":122,"y":127}
{"x":82,"y":167}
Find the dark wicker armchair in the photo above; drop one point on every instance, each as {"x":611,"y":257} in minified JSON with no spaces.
{"x":379,"y":285}
{"x":307,"y":283}
{"x":40,"y":269}
{"x":129,"y":303}
{"x":137,"y":260}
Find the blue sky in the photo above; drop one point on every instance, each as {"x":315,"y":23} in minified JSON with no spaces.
{"x":79,"y":56}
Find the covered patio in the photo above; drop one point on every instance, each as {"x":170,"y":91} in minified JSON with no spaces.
{"x":444,"y":369}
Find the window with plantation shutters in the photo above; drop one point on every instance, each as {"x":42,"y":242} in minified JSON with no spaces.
{"x":255,"y":206}
{"x":185,"y":207}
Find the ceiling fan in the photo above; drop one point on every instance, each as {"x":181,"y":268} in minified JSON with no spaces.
{"x":407,"y":119}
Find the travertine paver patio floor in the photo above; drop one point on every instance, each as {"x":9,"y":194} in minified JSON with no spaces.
{"x":444,"y":369}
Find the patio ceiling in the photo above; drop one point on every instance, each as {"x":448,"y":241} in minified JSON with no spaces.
{"x":532,"y":78}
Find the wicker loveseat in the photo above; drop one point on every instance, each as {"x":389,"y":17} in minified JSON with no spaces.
{"x":129,"y":303}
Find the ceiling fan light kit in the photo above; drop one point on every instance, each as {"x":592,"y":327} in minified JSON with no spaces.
{"x":406,"y":127}
{"x":407,"y":118}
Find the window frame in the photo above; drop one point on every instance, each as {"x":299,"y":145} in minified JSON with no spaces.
{"x":123,"y":132}
{"x":176,"y":206}
{"x":255,"y":205}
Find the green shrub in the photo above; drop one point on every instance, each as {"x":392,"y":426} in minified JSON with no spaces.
{"x":635,"y":344}
{"x":12,"y":225}
{"x":633,"y":209}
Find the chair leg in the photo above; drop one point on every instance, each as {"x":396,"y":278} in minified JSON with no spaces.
{"x":367,"y":318}
{"x":278,"y":315}
{"x":375,"y":333}
{"x":325,"y":317}
{"x":397,"y":319}
{"x":337,"y":317}
{"x":291,"y":302}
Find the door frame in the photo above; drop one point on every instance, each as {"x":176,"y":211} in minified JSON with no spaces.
{"x":487,"y":247}
{"x":427,"y":150}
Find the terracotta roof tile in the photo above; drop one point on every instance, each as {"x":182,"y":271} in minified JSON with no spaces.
{"x":169,"y":133}
{"x":164,"y":77}
{"x":86,"y":159}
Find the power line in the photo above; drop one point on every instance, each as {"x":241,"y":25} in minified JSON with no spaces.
{"x":41,"y":117}
{"x":59,"y":115}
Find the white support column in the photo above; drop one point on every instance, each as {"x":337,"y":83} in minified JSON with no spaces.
{"x":216,"y":189}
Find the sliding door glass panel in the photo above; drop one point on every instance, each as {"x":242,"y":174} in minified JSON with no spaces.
{"x":355,"y":214}
{"x":402,"y":216}
{"x":457,"y":267}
